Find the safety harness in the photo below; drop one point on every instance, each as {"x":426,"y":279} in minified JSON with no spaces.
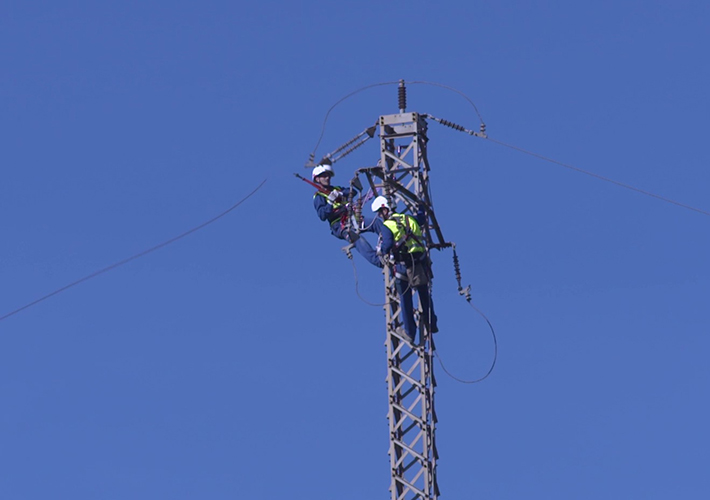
{"x":407,"y":235}
{"x":339,"y":213}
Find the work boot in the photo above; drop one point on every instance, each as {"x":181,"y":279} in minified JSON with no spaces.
{"x":401,"y":332}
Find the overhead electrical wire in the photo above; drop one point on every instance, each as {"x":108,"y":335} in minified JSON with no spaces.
{"x":483,"y":135}
{"x":136,"y":256}
{"x":597,"y":176}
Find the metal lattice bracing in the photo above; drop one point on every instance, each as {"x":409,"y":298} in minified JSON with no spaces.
{"x":410,"y":378}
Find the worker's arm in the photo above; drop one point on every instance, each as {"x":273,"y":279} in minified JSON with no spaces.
{"x":387,"y":239}
{"x":323,"y":208}
{"x":376,"y":225}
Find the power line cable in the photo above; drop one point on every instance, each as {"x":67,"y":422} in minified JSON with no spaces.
{"x":600,"y":177}
{"x":483,"y":135}
{"x":134,"y":257}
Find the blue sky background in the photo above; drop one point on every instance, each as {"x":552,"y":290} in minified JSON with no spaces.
{"x":239,"y":362}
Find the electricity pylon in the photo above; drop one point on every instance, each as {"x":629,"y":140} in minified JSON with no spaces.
{"x":402,"y":175}
{"x":410,"y":371}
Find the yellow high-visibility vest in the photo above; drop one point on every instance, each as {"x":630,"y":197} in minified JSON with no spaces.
{"x":405,"y":227}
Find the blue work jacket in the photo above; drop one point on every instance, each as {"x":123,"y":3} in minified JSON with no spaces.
{"x":325,"y":210}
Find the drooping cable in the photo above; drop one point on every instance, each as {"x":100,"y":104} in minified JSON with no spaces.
{"x":136,"y":256}
{"x":495,"y":354}
{"x":434,"y":84}
{"x":327,"y":114}
{"x":357,"y":287}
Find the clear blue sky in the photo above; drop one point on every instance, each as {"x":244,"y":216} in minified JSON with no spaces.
{"x":239,"y":362}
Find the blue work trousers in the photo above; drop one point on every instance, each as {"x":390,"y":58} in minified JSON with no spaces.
{"x":407,"y":304}
{"x":361,"y":244}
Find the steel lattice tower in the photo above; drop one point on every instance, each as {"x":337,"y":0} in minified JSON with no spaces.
{"x":410,"y":375}
{"x":402,"y":175}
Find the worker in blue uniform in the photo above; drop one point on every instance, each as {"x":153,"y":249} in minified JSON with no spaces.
{"x":401,"y":235}
{"x":331,"y":206}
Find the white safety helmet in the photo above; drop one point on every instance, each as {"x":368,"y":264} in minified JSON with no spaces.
{"x":321,"y":169}
{"x":380,"y":202}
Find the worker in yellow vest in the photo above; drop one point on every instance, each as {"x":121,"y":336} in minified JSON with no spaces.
{"x":401,"y":236}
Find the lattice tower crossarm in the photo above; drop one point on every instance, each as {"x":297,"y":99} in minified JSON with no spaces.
{"x":410,"y":376}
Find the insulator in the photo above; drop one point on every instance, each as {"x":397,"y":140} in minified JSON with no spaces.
{"x":453,"y":125}
{"x":457,"y":268}
{"x":402,"y":95}
{"x":466,"y":292}
{"x":357,"y":211}
{"x":346,"y":144}
{"x":345,"y":153}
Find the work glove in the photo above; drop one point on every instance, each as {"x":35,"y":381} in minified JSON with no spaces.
{"x":334,"y":195}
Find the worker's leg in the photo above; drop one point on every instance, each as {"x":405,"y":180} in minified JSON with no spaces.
{"x":338,"y":231}
{"x":405,"y":302}
{"x":371,"y":225}
{"x":361,"y":244}
{"x":428,"y":316}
